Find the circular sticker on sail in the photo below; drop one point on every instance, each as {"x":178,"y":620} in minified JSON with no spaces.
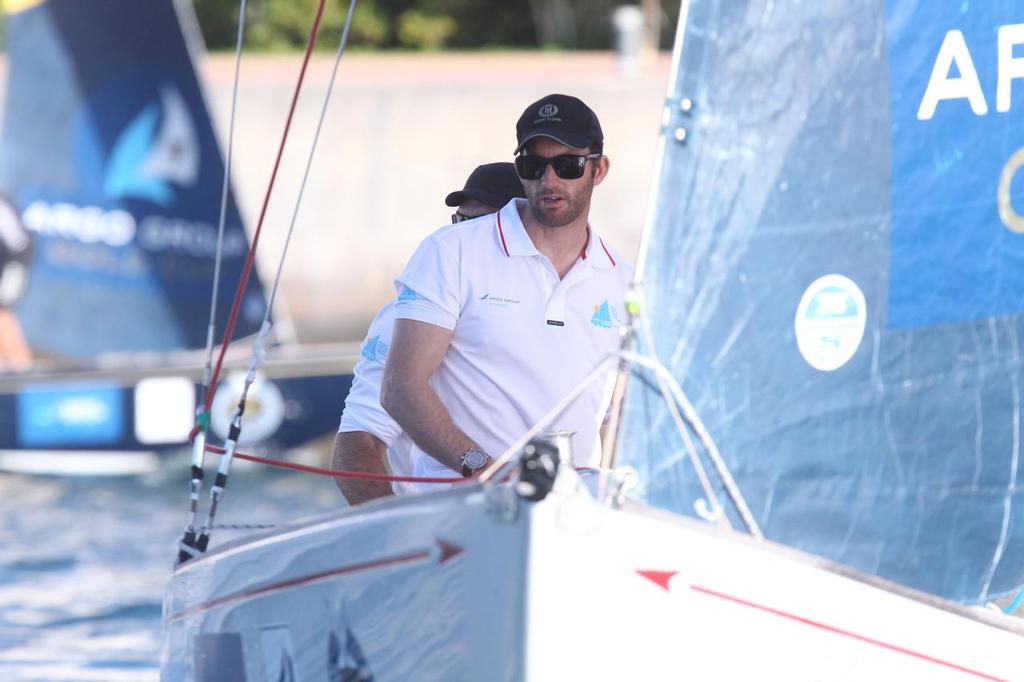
{"x":830,"y":322}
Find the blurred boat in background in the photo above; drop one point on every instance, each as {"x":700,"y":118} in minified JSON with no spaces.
{"x":111,"y":181}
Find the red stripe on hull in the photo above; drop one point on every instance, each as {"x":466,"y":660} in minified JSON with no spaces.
{"x":845,"y":633}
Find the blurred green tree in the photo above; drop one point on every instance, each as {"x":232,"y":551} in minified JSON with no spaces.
{"x":285,"y":24}
{"x":424,"y":31}
{"x":428,"y":24}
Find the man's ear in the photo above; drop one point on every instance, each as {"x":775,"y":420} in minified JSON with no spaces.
{"x":601,"y":169}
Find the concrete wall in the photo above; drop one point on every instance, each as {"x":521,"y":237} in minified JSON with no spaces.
{"x":401,"y":132}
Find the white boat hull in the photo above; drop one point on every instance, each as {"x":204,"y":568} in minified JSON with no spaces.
{"x":471,"y":584}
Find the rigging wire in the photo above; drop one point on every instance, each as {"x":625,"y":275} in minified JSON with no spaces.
{"x":202,"y":419}
{"x":693,"y":419}
{"x":193,"y":543}
{"x":243,"y":281}
{"x":718,"y":515}
{"x":224,"y":195}
{"x":259,"y":346}
{"x":309,"y":159}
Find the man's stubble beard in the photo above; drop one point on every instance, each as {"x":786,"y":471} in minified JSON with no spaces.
{"x":574,"y":208}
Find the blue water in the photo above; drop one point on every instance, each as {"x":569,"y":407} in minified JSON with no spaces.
{"x":84,"y":562}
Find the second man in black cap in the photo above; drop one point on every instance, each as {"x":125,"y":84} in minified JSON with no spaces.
{"x":368,"y":439}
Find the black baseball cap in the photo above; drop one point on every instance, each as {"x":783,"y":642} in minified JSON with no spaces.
{"x":563,"y":118}
{"x":494,"y":184}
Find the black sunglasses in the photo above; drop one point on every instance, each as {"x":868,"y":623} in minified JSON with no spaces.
{"x":566,"y":166}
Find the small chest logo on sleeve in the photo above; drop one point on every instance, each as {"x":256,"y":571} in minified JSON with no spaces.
{"x":374,"y":349}
{"x":605,"y":316}
{"x":409,"y":295}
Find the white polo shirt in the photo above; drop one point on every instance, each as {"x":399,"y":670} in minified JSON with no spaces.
{"x":362,"y":406}
{"x":522,"y":338}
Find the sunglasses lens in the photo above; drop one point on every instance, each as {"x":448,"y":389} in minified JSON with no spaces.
{"x":568,"y":167}
{"x":530,"y":167}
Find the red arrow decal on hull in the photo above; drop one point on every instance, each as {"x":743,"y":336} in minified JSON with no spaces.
{"x":441,"y":552}
{"x":448,"y":550}
{"x":659,"y":578}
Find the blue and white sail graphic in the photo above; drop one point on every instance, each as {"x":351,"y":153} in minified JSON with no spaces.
{"x":158,"y":150}
{"x":109,"y":157}
{"x":836,"y":278}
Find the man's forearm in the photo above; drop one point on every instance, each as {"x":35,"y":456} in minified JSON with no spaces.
{"x":360,"y":451}
{"x":424,"y":418}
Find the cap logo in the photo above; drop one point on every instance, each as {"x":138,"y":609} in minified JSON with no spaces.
{"x":548,"y":110}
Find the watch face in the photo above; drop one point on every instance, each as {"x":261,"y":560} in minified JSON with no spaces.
{"x":474,"y":459}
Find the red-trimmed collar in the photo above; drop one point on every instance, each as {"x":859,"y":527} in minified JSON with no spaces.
{"x":512,"y":234}
{"x":596,"y":252}
{"x":501,"y":235}
{"x":583,"y":251}
{"x":514,"y":241}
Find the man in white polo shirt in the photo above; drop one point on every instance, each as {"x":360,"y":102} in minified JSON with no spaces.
{"x":498,"y":318}
{"x":367,"y":436}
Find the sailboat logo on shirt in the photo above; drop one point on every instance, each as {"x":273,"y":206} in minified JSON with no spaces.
{"x":374,"y":349}
{"x":605,"y":316}
{"x":408,"y":295}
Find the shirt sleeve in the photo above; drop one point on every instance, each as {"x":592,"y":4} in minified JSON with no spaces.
{"x":362,"y":406}
{"x":430,"y":286}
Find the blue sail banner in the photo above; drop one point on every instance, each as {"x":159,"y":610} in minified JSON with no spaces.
{"x":957,"y":86}
{"x":110,"y":160}
{"x":835,"y":279}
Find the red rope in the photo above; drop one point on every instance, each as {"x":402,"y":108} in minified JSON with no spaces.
{"x":341,"y":473}
{"x":364,"y":475}
{"x":229,"y":330}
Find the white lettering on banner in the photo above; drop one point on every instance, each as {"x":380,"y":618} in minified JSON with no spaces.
{"x":117,"y":228}
{"x":87,"y":224}
{"x":1010,"y":67}
{"x":159,"y":233}
{"x":954,"y":51}
{"x":1014,"y":221}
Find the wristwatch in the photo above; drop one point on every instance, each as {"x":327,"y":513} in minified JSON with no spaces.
{"x":472,"y":461}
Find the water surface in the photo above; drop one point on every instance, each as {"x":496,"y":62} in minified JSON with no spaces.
{"x":84,"y":562}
